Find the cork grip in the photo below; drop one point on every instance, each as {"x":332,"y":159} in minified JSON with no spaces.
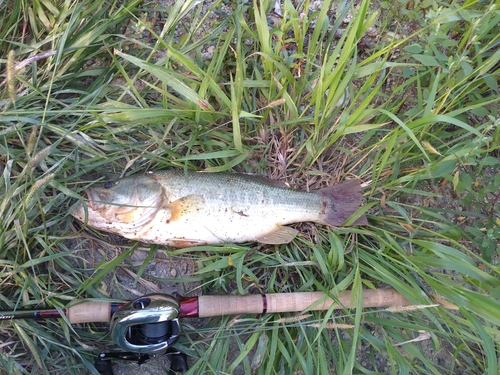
{"x":89,"y":312}
{"x":293,"y":302}
{"x":288,"y":302}
{"x":229,"y":305}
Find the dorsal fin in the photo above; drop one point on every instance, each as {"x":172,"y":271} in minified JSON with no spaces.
{"x":258,"y":178}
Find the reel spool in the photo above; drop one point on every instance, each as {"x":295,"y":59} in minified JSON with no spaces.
{"x":147,"y":325}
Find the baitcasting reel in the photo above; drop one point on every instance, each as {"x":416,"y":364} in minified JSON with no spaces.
{"x":147,"y":325}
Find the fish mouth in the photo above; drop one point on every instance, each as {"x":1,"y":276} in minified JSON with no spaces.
{"x":93,"y":206}
{"x":79,"y":210}
{"x":95,"y":198}
{"x":88,"y":193}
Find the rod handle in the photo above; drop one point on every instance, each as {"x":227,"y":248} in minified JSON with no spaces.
{"x":229,"y":305}
{"x":314,"y":301}
{"x":89,"y":312}
{"x":293,"y":302}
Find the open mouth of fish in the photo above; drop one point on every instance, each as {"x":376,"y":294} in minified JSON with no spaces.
{"x":90,"y":203}
{"x":95,"y":198}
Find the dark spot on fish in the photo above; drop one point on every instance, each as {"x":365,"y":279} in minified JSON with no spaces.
{"x":109,"y":185}
{"x":323,"y":211}
{"x":168,"y":221}
{"x":241,"y":213}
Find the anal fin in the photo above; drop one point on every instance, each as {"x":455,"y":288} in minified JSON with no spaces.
{"x":277,"y":236}
{"x":182,"y":243}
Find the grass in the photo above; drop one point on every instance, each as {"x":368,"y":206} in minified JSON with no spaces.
{"x":405,"y":98}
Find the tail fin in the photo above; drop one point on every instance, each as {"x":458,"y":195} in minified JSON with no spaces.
{"x":341,"y":201}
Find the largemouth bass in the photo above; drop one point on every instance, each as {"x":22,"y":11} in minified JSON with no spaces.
{"x":187,"y":209}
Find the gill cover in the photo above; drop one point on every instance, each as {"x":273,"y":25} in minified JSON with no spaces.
{"x":125,"y":205}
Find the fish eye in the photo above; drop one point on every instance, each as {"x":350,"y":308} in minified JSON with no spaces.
{"x":109,"y":185}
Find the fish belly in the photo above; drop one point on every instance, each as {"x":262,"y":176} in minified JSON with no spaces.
{"x":219,"y":225}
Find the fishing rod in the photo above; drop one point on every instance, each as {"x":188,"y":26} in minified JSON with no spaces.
{"x":149,"y":325}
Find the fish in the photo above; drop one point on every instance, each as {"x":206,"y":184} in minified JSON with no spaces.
{"x":184,"y":209}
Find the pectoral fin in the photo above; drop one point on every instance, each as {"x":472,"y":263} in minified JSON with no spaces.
{"x":278,"y":236}
{"x":190,"y":204}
